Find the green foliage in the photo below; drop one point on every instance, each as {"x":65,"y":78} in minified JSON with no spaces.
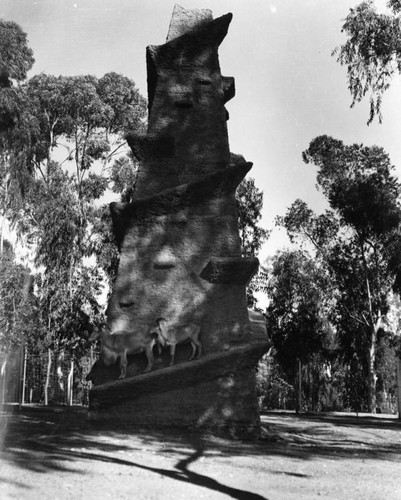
{"x":323,"y":385}
{"x":69,"y":308}
{"x":52,"y":204}
{"x":298,"y":316}
{"x":58,"y":224}
{"x":359,"y":184}
{"x":303,"y":225}
{"x":19,"y":320}
{"x":123,"y":176}
{"x":386,"y":358}
{"x":395,"y":5}
{"x":250,"y":203}
{"x":16,"y":58}
{"x":355,"y":241}
{"x":273,"y":390}
{"x":92,"y":188}
{"x":258,"y":283}
{"x":125,"y":102}
{"x":363,"y":193}
{"x":371,"y":53}
{"x":104,"y":245}
{"x":9,"y":111}
{"x":72,"y":113}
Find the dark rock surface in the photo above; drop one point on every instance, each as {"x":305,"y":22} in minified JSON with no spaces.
{"x":180,"y":251}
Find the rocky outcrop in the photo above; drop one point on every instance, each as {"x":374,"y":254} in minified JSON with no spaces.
{"x":179,"y":241}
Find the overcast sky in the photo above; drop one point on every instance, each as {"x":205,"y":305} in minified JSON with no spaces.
{"x":288,"y":87}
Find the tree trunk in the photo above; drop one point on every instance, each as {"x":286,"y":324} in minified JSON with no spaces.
{"x":3,"y":374}
{"x":372,"y":371}
{"x":2,"y":234}
{"x":23,"y":382}
{"x":399,"y":386}
{"x":59,"y":360}
{"x":70,"y":383}
{"x":299,"y":386}
{"x":374,"y":325}
{"x":310,"y":385}
{"x":47,"y":383}
{"x":3,"y":215}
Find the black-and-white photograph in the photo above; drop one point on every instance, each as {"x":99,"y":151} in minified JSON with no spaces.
{"x":200,"y":249}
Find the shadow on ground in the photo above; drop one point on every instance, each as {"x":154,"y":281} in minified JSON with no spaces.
{"x":44,"y":439}
{"x":333,"y":436}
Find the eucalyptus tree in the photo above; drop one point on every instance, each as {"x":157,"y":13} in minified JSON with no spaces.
{"x":58,"y":163}
{"x":372,"y":52}
{"x":355,"y":240}
{"x":80,"y":124}
{"x":16,"y":59}
{"x":301,"y":303}
{"x":18,"y":309}
{"x":250,"y":203}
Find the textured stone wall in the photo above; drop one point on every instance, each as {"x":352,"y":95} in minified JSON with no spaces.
{"x":180,"y":247}
{"x":217,"y":392}
{"x":180,"y":251}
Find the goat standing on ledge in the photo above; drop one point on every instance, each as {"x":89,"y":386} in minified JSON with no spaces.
{"x":171,"y":335}
{"x":121,"y":343}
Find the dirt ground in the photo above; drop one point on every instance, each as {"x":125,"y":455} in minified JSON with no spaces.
{"x":54,"y":453}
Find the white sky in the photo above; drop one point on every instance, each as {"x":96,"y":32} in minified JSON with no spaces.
{"x":288,"y":87}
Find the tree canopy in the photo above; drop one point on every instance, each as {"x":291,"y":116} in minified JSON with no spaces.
{"x":250,"y":203}
{"x":299,"y":291}
{"x":59,"y":143}
{"x":371,"y":53}
{"x":16,"y":57}
{"x":355,"y":240}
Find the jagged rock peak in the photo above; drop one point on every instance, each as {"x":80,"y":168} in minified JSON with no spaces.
{"x":185,"y":20}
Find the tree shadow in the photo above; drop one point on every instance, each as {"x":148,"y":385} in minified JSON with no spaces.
{"x":207,"y":482}
{"x":334,"y":436}
{"x":7,"y":481}
{"x":48,"y":440}
{"x":357,"y":420}
{"x":55,"y":440}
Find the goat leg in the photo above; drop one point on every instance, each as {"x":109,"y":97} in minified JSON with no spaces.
{"x":123,"y":365}
{"x":172,"y":354}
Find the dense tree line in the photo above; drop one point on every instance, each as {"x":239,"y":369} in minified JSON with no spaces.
{"x":334,"y":308}
{"x":330,"y":298}
{"x":346,"y":328}
{"x":62,"y":146}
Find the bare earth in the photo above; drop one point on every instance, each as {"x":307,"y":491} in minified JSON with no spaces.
{"x":54,"y":453}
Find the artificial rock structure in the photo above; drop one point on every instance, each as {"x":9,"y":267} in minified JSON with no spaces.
{"x":180,"y":252}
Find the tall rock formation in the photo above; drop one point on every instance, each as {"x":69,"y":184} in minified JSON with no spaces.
{"x":180,"y":247}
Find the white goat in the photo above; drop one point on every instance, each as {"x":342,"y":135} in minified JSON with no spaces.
{"x":171,"y":335}
{"x":121,"y":343}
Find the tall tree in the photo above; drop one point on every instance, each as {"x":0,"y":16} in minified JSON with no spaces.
{"x":300,"y":301}
{"x":250,"y":204}
{"x":16,"y":57}
{"x":72,"y":129}
{"x":354,"y":239}
{"x":83,"y":116}
{"x":87,"y":118}
{"x":298,"y":317}
{"x":372,"y":52}
{"x":19,"y":319}
{"x":123,"y":175}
